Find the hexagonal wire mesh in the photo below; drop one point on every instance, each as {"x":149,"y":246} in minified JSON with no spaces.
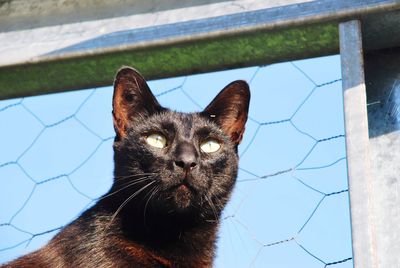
{"x":290,"y":207}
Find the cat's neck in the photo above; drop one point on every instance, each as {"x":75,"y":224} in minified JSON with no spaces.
{"x":166,"y":233}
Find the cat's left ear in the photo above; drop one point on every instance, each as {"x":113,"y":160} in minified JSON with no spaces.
{"x":132,"y":98}
{"x":229,"y":109}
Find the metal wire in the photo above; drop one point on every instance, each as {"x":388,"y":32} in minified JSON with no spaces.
{"x":232,"y":217}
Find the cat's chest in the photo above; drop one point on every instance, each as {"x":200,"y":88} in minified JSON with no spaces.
{"x":173,"y":256}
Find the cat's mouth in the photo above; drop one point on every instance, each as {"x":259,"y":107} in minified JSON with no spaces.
{"x":183,"y":182}
{"x":182,"y":194}
{"x":184,"y":186}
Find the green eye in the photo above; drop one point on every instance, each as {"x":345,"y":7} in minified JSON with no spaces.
{"x":210,"y":146}
{"x":156,"y":140}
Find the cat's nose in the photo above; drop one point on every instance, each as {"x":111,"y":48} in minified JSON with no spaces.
{"x":186,"y":156}
{"x":186,"y":164}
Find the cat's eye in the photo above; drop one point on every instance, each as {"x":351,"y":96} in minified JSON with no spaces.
{"x":156,"y":140}
{"x":210,"y":146}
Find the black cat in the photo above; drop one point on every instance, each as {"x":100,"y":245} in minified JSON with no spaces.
{"x":174,"y":173}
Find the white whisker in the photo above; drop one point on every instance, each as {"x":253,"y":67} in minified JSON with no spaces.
{"x":119,"y":178}
{"x":129,"y":184}
{"x":154,"y":191}
{"x":127,"y":200}
{"x":209,"y":201}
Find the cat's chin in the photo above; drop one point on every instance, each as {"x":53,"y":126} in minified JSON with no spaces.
{"x":183,"y":197}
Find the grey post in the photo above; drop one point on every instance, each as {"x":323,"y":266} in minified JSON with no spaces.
{"x":382,"y":75}
{"x":357,"y":145}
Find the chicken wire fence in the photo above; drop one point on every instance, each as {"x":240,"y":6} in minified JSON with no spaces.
{"x":290,"y":206}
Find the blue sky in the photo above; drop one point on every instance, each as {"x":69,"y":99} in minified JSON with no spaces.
{"x":290,"y":206}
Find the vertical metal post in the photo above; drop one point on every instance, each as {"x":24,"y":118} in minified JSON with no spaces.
{"x":357,"y":145}
{"x":382,"y":71}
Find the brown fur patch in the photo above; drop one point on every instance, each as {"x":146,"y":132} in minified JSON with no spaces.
{"x":120,"y":115}
{"x":131,"y":92}
{"x":148,"y":257}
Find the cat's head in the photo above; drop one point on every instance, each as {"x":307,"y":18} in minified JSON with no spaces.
{"x":171,"y":161}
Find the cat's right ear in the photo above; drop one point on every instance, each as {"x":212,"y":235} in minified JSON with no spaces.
{"x":132,"y":98}
{"x":230,"y":108}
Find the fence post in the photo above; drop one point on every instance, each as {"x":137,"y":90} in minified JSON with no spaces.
{"x":357,"y":145}
{"x":382,"y":76}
